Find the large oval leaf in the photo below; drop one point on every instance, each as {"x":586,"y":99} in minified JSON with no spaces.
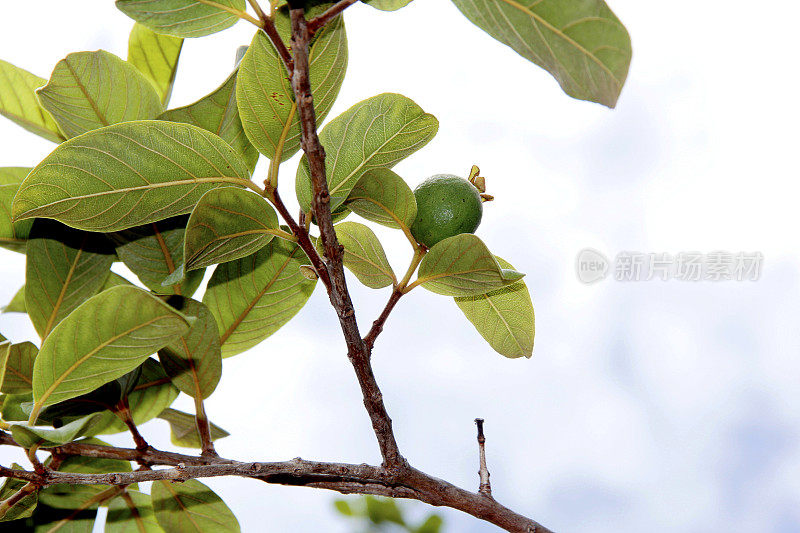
{"x":264,"y":91}
{"x":106,"y":337}
{"x":580,"y":42}
{"x":13,"y":235}
{"x":504,"y":317}
{"x":463,"y":266}
{"x":16,"y":367}
{"x":154,"y":252}
{"x":219,"y":114}
{"x":251,"y":298}
{"x":156,"y":56}
{"x":127,"y":175}
{"x":19,"y":104}
{"x":364,"y":255}
{"x":64,"y":268}
{"x":89,"y":90}
{"x":378,"y":132}
{"x":384,"y":197}
{"x":183,"y":18}
{"x":228,"y":223}
{"x":191,"y":507}
{"x":194,"y":361}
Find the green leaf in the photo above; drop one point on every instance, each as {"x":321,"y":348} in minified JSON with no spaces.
{"x":47,"y":437}
{"x":156,"y":56}
{"x":155,"y":251}
{"x":16,"y":372}
{"x":13,"y":235}
{"x":364,"y":255}
{"x":64,"y":268}
{"x":131,"y":512}
{"x":251,"y":298}
{"x":343,"y":507}
{"x":153,"y":393}
{"x":264,"y":90}
{"x":104,"y":338}
{"x":12,"y":410}
{"x":182,"y":18}
{"x":228,"y":223}
{"x":115,"y":280}
{"x":463,"y":266}
{"x":19,"y":104}
{"x":17,"y":303}
{"x":89,"y":90}
{"x":433,"y":524}
{"x":191,"y":507}
{"x":24,"y":507}
{"x":378,"y":132}
{"x":384,"y":197}
{"x":128,"y":175}
{"x":47,"y":519}
{"x":382,"y":510}
{"x":388,"y":5}
{"x":580,"y":42}
{"x":218,"y":113}
{"x":194,"y":361}
{"x":183,"y":429}
{"x":504,"y":317}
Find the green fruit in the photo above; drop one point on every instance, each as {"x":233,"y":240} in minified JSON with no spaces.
{"x":447,"y":205}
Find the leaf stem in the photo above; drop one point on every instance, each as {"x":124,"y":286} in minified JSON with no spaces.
{"x":232,"y":10}
{"x":332,"y":12}
{"x":203,"y":427}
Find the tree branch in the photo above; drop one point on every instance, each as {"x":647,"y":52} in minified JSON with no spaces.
{"x":337,"y":291}
{"x":404,"y":482}
{"x":332,"y":12}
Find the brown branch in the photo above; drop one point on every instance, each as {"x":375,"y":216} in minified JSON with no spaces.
{"x":203,"y":428}
{"x":485,"y":487}
{"x":377,"y":326}
{"x":346,"y":478}
{"x":331,"y":13}
{"x":124,"y":413}
{"x":277,"y":42}
{"x":337,"y":291}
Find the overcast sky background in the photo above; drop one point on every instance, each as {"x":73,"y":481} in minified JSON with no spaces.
{"x":651,"y":406}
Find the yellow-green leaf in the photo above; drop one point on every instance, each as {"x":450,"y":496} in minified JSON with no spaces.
{"x":252,"y":297}
{"x":264,"y":90}
{"x":16,"y":367}
{"x":131,"y":512}
{"x":183,"y":18}
{"x":47,"y":437}
{"x":463,"y":266}
{"x":156,"y":56}
{"x":377,"y":132}
{"x":580,"y":42}
{"x":191,"y":507}
{"x":504,"y":317}
{"x":364,"y":255}
{"x":384,"y":197}
{"x":13,"y":235}
{"x":19,"y":104}
{"x":64,"y":268}
{"x":104,"y":338}
{"x":89,"y":90}
{"x":194,"y":361}
{"x":183,"y":429}
{"x":128,"y":175}
{"x":228,"y":223}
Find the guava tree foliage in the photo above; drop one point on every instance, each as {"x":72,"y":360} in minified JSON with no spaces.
{"x":170,"y":192}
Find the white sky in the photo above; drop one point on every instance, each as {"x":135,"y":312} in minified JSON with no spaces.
{"x":651,"y":406}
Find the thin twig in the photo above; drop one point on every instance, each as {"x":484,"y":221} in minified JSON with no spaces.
{"x":124,"y":414}
{"x":203,"y":428}
{"x":331,"y":13}
{"x":485,"y":487}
